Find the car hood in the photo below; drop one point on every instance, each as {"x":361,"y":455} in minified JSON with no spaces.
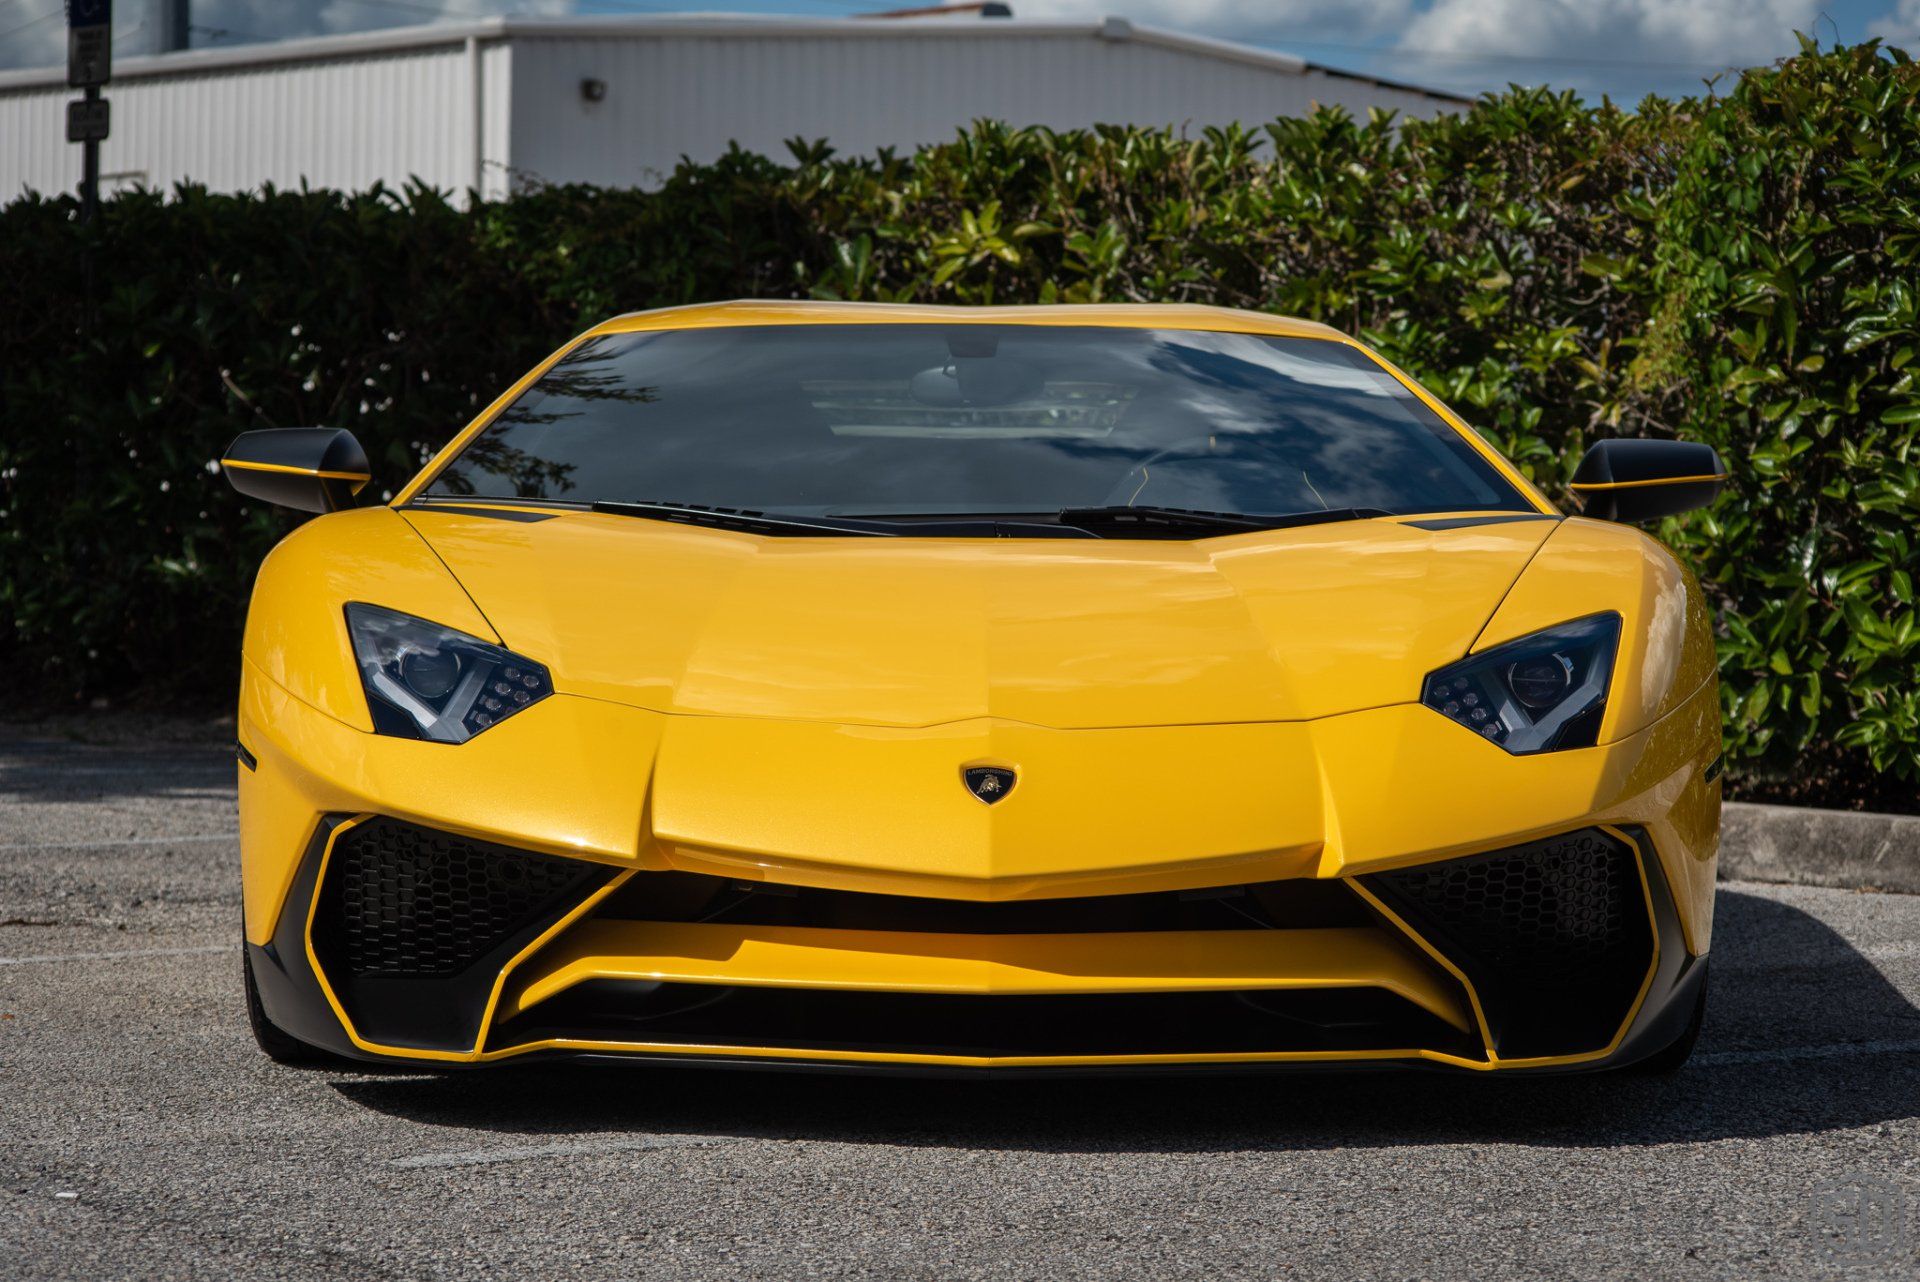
{"x":1282,"y":625}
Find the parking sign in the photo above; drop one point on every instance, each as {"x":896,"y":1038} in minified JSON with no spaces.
{"x":89,"y":42}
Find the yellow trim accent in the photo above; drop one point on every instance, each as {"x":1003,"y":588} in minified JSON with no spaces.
{"x":1584,"y":486}
{"x":1446,"y":963}
{"x":915,"y":962}
{"x":976,"y":1061}
{"x":499,"y":982}
{"x":1640,"y":857}
{"x":744,"y":313}
{"x":295,"y":471}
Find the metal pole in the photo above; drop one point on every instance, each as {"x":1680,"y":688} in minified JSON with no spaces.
{"x":476,"y":120}
{"x":174,"y":20}
{"x":90,"y":168}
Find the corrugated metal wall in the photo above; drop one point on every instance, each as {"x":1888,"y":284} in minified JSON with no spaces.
{"x":345,"y":122}
{"x":684,"y":94}
{"x":347,"y":112}
{"x":496,"y":119}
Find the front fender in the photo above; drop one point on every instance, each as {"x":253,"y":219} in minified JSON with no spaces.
{"x":296,"y":625}
{"x":1666,"y":635}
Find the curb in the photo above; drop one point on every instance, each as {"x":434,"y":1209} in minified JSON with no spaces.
{"x":1849,"y":849}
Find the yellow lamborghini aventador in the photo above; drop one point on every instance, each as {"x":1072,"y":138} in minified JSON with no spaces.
{"x":959,"y":689}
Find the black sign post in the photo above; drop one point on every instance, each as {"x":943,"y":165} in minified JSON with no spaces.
{"x":89,"y":65}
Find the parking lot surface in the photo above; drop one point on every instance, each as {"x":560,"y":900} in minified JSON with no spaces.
{"x":141,"y":1135}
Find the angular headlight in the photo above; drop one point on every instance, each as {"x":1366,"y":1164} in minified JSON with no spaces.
{"x":1542,"y":692}
{"x":425,"y":681}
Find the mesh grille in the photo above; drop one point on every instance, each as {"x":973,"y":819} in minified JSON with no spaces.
{"x":402,"y":900}
{"x":1568,"y":902}
{"x":1554,"y":935}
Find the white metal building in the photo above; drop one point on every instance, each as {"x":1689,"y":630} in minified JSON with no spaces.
{"x":617,"y":101}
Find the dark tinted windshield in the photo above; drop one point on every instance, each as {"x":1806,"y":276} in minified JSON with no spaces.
{"x":868,"y":420}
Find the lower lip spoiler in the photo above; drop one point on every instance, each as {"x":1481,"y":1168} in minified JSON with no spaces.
{"x":988,"y":965}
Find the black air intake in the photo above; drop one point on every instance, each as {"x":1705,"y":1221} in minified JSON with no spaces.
{"x":1554,"y":935}
{"x":413,"y":925}
{"x":801,"y":1019}
{"x":412,"y":901}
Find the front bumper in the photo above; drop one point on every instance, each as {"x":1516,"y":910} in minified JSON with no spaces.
{"x":1338,"y":950}
{"x":400,"y":943}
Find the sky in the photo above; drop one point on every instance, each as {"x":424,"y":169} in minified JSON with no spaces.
{"x":1622,"y":48}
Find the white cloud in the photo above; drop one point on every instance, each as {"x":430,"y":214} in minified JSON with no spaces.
{"x":1266,"y":20}
{"x":1626,"y":47}
{"x":1654,"y":33}
{"x":33,"y":34}
{"x":1899,"y":25}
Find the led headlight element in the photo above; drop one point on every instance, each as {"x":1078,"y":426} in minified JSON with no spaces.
{"x":425,"y":681}
{"x":1544,"y":691}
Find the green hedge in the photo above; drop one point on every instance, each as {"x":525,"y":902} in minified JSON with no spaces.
{"x":1740,"y":270}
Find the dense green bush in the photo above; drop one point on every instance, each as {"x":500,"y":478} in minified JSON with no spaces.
{"x":1789,"y":313}
{"x":1741,"y":270}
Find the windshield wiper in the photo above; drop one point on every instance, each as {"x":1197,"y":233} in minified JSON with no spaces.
{"x":1172,"y":522}
{"x":744,"y":519}
{"x":1099,"y":522}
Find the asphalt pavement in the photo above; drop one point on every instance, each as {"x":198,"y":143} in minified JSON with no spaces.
{"x":141,"y":1135}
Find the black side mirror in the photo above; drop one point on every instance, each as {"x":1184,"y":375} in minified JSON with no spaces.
{"x":314,"y":469}
{"x":1646,"y":480}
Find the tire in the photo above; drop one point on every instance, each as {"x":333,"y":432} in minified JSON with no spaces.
{"x":276,"y":1045}
{"x":1673,"y":1057}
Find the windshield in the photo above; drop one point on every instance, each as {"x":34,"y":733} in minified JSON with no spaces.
{"x":960,"y":420}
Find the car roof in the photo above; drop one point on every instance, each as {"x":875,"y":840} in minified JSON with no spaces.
{"x":1109,"y":315}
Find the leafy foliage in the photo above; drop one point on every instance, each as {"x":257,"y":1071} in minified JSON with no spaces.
{"x":1741,"y":270}
{"x":1789,"y":312}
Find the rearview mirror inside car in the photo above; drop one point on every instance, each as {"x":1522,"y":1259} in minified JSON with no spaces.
{"x":1646,"y":480}
{"x":313,"y":469}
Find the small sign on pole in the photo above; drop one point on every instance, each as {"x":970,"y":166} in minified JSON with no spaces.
{"x":89,"y":42}
{"x":87,"y":120}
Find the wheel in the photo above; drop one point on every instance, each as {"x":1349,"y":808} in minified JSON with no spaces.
{"x":1674,"y":1056}
{"x":276,"y":1045}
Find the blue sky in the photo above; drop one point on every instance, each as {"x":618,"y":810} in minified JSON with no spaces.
{"x":1625,"y":48}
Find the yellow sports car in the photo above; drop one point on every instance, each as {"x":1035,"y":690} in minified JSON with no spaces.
{"x":1025,"y":689}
